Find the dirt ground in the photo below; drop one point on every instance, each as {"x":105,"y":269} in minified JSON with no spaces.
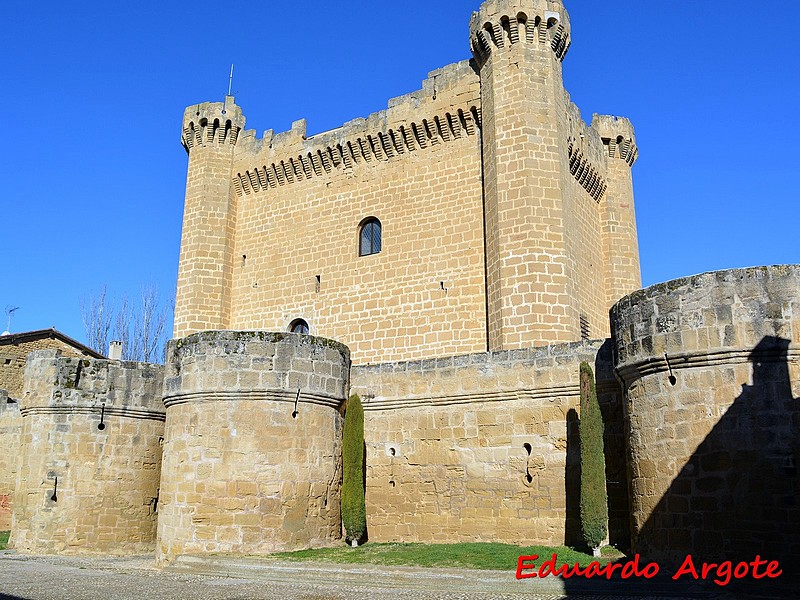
{"x":57,"y":578}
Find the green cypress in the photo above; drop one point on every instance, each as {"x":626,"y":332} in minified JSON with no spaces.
{"x":354,"y":511}
{"x":594,"y":501}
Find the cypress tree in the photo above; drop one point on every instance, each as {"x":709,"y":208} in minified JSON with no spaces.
{"x":354,"y":511}
{"x":594,"y":501}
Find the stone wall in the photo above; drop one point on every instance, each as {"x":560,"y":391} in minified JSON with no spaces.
{"x":90,"y":454}
{"x":400,"y":303}
{"x":252,"y":459}
{"x":484,"y":447}
{"x":12,"y":361}
{"x":711,"y":368}
{"x":10,"y":427}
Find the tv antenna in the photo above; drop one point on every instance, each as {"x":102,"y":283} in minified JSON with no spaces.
{"x":230,"y":81}
{"x":10,"y":313}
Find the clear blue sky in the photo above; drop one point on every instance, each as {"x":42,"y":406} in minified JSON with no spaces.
{"x":93,"y":171}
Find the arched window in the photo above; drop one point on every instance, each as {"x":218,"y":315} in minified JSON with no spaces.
{"x":299,"y":326}
{"x":370,"y":237}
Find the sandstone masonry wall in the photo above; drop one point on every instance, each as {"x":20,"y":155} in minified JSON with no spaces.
{"x":483,"y":447}
{"x":12,"y":361}
{"x":10,"y":428}
{"x":711,"y":369}
{"x":416,"y":167}
{"x":90,"y":454}
{"x":252,"y":459}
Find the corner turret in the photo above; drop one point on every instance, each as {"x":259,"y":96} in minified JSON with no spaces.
{"x":618,"y":137}
{"x":502,"y":23}
{"x":210,"y":132}
{"x":212,"y":123}
{"x":618,"y":214}
{"x":518,"y":47}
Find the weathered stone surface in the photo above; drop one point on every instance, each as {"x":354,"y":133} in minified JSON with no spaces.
{"x":10,"y":429}
{"x":90,"y":456}
{"x":484,"y":447}
{"x":713,"y":407}
{"x":252,"y":458}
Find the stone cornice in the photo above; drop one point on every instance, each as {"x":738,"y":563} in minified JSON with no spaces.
{"x":282,"y":396}
{"x":108,"y":411}
{"x":670,"y":363}
{"x":348,"y":152}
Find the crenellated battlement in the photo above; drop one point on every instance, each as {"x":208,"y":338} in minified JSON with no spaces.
{"x":587,"y":155}
{"x":618,"y":137}
{"x":62,"y":384}
{"x":503,"y":23}
{"x":446,"y":109}
{"x":212,"y":123}
{"x":346,"y":151}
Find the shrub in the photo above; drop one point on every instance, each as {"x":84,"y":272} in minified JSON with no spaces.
{"x":354,"y":511}
{"x":594,"y":502}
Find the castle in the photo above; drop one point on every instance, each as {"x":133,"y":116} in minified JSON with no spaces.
{"x":452,"y":260}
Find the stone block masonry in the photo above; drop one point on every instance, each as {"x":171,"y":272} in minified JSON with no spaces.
{"x":90,"y":456}
{"x":483,"y":447}
{"x":252,"y":459}
{"x":711,"y":368}
{"x":10,"y":428}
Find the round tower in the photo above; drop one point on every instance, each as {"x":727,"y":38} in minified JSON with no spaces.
{"x":618,"y":215}
{"x":710,"y":367}
{"x":252,"y":450}
{"x":210,"y":133}
{"x":518,"y":46}
{"x":89,"y":457}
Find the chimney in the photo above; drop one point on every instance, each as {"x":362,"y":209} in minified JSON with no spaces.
{"x":115,"y":350}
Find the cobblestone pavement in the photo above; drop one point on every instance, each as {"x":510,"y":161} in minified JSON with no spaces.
{"x":57,"y":578}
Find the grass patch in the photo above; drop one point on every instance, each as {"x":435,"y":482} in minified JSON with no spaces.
{"x":501,"y":557}
{"x":4,"y":539}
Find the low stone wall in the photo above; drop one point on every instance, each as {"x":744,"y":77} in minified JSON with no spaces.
{"x":10,"y":427}
{"x":484,"y":447}
{"x":90,"y":452}
{"x":711,"y":368}
{"x":252,"y":459}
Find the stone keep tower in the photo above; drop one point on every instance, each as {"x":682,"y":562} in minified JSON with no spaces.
{"x":535,"y":148}
{"x":210,"y":132}
{"x":506,"y":222}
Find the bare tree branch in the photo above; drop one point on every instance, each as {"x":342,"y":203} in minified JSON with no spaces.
{"x":148,"y":328}
{"x":122,"y":328}
{"x":141,"y":327}
{"x":96,"y":316}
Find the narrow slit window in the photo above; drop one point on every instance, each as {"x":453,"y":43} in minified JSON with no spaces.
{"x":370,"y":238}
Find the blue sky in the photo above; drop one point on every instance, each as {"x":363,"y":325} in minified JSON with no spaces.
{"x":93,"y":171}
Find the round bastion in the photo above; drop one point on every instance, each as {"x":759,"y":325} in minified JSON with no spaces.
{"x":89,"y":456}
{"x":711,"y":371}
{"x":252,"y":457}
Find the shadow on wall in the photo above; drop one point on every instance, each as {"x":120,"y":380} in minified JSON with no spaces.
{"x":610,"y":398}
{"x":737,"y":496}
{"x":572,"y":483}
